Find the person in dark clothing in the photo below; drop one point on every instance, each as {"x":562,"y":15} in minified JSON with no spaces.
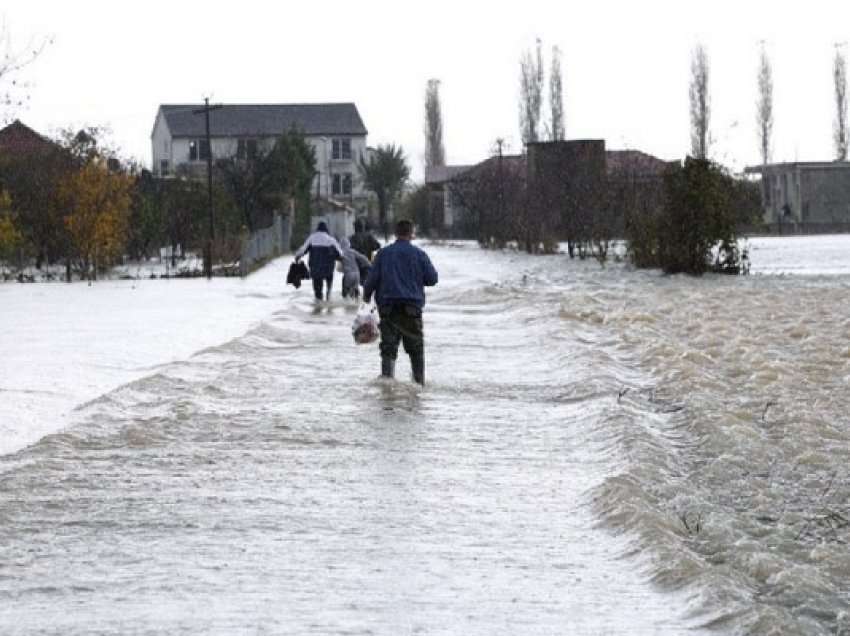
{"x":399,"y":275}
{"x":324,"y":252}
{"x":362,"y":240}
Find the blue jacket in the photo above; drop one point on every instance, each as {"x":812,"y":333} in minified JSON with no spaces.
{"x":399,"y":275}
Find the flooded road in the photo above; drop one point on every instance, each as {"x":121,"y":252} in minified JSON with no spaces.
{"x":597,"y":451}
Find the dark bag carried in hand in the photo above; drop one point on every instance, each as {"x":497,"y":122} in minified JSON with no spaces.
{"x":297,"y":272}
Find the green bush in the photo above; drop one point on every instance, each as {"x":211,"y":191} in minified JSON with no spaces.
{"x":694,"y":230}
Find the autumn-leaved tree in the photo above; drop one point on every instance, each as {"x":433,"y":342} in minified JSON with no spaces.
{"x":97,"y":203}
{"x":10,"y":237}
{"x":31,"y":177}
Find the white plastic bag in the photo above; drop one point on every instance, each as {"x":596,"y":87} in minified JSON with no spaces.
{"x":365,"y":327}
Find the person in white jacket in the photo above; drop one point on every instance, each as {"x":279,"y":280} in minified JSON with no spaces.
{"x":324,"y":252}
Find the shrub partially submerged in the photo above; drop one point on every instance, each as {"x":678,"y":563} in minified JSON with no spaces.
{"x":694,"y":231}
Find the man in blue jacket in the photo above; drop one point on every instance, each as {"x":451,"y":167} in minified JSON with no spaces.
{"x":399,"y":275}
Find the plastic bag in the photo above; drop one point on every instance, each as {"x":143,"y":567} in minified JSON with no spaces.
{"x":365,"y":327}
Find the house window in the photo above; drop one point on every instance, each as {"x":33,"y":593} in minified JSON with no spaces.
{"x":199,"y":150}
{"x":342,"y":183}
{"x":163,"y":167}
{"x":246,"y":149}
{"x":342,"y":149}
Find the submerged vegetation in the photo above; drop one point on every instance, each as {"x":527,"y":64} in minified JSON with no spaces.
{"x":694,"y":230}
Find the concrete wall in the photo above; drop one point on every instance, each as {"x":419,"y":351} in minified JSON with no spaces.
{"x":825,"y":196}
{"x":814,"y":193}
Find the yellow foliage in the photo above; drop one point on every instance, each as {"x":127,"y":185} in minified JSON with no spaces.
{"x":98,"y":206}
{"x":10,"y":237}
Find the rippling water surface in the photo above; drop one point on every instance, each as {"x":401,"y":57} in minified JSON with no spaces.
{"x":598,"y":451}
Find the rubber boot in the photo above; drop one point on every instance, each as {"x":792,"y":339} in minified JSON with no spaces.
{"x":387,"y":367}
{"x":417,"y":364}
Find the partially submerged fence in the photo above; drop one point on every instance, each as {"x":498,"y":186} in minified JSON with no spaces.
{"x":264,"y":244}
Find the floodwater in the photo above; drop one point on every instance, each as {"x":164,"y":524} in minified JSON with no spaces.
{"x":597,"y":451}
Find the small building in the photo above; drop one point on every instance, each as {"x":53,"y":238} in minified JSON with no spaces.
{"x":335,"y":131}
{"x":813,"y":195}
{"x":444,"y":206}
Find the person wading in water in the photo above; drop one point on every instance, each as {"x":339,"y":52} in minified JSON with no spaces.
{"x":363,"y":241}
{"x":399,"y":275}
{"x":324,"y":252}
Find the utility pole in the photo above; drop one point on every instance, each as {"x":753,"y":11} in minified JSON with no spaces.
{"x":208,"y":249}
{"x":501,"y":197}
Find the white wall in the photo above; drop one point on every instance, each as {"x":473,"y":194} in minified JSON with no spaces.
{"x":177,"y":153}
{"x":161,"y":147}
{"x":327,"y":166}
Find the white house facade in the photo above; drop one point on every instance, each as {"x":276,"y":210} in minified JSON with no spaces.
{"x":335,"y":131}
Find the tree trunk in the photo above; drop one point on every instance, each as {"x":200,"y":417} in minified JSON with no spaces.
{"x":382,"y":212}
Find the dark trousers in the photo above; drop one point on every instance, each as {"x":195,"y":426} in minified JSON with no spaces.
{"x":350,"y":287}
{"x":317,"y":287}
{"x":402,"y":324}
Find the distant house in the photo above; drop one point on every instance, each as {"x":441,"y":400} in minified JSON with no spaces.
{"x":566,"y":167}
{"x":636,"y":164}
{"x":336,"y":132}
{"x":443,"y":205}
{"x":813,"y":195}
{"x":457,"y":194}
{"x":17,"y":139}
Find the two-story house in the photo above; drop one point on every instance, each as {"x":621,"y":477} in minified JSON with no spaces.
{"x":335,"y":131}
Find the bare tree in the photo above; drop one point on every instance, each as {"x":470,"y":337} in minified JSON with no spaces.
{"x":764,"y":105}
{"x":556,"y":97}
{"x":493,"y":195}
{"x":839,"y":75}
{"x":13,"y":91}
{"x":530,"y":93}
{"x":700,"y":106}
{"x":435,"y":153}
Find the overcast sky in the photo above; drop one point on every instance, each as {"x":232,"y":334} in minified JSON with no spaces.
{"x":626,"y":67}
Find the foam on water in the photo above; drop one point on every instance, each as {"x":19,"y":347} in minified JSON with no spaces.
{"x":596,"y":452}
